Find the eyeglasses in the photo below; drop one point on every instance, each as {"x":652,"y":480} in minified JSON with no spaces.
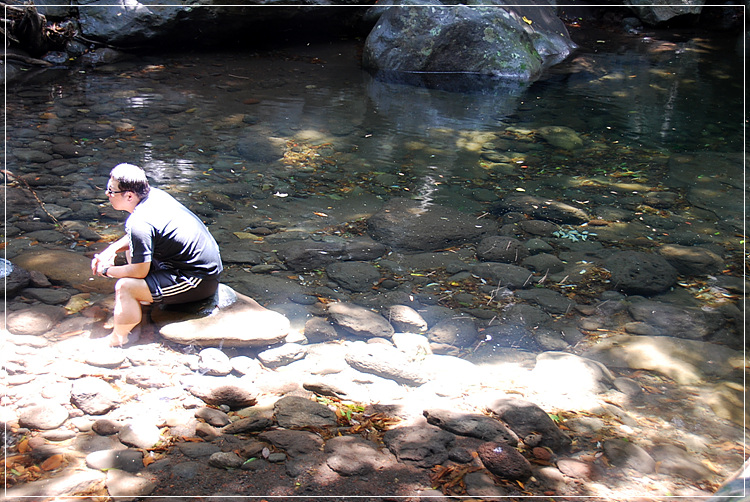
{"x":111,"y":192}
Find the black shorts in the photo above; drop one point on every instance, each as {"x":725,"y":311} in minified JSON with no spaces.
{"x":171,"y":286}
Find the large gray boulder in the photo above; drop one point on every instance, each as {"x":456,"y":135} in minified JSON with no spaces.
{"x":508,"y":42}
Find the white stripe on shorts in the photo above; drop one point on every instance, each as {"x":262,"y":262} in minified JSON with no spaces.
{"x":176,"y":289}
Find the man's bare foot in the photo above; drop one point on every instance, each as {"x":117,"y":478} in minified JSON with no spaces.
{"x":116,"y":341}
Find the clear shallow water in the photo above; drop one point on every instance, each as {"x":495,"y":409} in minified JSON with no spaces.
{"x":638,"y":104}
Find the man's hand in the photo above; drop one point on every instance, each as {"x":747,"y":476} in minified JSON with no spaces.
{"x":100,"y":262}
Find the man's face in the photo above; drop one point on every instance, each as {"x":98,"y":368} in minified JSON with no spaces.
{"x":118,"y":198}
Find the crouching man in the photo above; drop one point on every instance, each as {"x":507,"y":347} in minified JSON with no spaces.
{"x":172,"y":257}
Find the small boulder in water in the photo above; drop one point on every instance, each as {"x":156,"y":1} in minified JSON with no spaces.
{"x":561,"y":137}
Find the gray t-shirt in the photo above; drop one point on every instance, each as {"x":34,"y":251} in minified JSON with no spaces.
{"x":170,"y":236}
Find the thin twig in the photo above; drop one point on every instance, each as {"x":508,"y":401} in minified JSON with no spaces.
{"x":39,"y":201}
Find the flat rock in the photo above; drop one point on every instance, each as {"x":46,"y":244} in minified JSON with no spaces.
{"x":639,"y":273}
{"x":685,"y":361}
{"x":471,"y":424}
{"x":66,"y":268}
{"x":353,"y":456}
{"x":417,"y":226}
{"x":524,"y":417}
{"x":295,"y":411}
{"x":674,"y":320}
{"x":385,"y":361}
{"x":70,"y":481}
{"x":242,"y":322}
{"x":692,"y":260}
{"x":423,"y":446}
{"x":45,"y":416}
{"x":360,"y":321}
{"x":228,"y":391}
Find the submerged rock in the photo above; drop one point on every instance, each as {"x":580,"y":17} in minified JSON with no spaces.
{"x":639,"y":273}
{"x":418,"y":226}
{"x":561,"y":137}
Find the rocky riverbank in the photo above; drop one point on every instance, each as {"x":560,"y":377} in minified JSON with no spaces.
{"x":428,"y":352}
{"x":522,"y":304}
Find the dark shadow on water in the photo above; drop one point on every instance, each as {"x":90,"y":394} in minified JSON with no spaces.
{"x":458,"y":82}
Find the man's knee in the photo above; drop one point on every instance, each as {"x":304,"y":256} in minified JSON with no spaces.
{"x":133,"y":288}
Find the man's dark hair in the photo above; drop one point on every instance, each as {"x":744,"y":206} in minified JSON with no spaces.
{"x":131,"y":178}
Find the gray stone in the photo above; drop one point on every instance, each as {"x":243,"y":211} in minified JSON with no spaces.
{"x":212,"y":416}
{"x":218,"y":391}
{"x":673,"y":320}
{"x":639,"y":273}
{"x":140,"y":434}
{"x":385,"y":361}
{"x":504,"y":275}
{"x":14,"y":282}
{"x":353,"y":456}
{"x":249,"y":424}
{"x":405,"y":319}
{"x":309,"y":254}
{"x":282,"y":355}
{"x":35,"y":320}
{"x":675,"y":460}
{"x":423,"y":446}
{"x":626,"y":454}
{"x":197,"y":450}
{"x":45,"y":416}
{"x":93,"y":396}
{"x":294,"y":411}
{"x":129,"y":460}
{"x":214,"y":362}
{"x":471,"y":424}
{"x":294,"y":443}
{"x":459,"y":332}
{"x":524,"y":417}
{"x":122,"y":485}
{"x":501,"y":249}
{"x":71,"y":480}
{"x":354,"y":275}
{"x":64,"y":267}
{"x":318,"y":329}
{"x":48,"y":295}
{"x":225,"y":460}
{"x":467,"y":39}
{"x":360,"y":321}
{"x":692,"y":260}
{"x":148,"y":377}
{"x":414,"y":226}
{"x":561,"y":137}
{"x":550,"y":301}
{"x":544,"y":263}
{"x":685,"y":361}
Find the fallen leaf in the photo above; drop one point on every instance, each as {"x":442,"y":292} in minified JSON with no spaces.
{"x":23,"y":446}
{"x":53,"y":462}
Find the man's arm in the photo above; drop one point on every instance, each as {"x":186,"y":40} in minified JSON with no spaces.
{"x":135,"y":270}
